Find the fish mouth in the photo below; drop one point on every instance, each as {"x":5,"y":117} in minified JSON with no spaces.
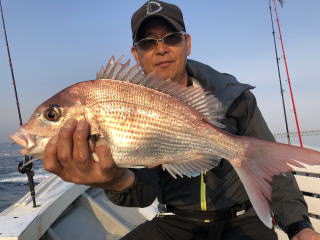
{"x":25,"y":140}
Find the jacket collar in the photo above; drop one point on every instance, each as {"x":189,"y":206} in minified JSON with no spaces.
{"x":224,"y":86}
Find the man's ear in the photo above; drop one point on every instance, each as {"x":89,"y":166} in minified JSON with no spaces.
{"x":134,"y":53}
{"x":188,"y":44}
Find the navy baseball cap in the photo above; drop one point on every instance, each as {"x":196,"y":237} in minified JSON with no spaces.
{"x":170,"y":12}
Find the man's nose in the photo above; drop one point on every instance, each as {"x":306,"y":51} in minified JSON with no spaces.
{"x":161,"y":48}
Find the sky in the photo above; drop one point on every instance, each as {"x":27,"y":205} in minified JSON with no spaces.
{"x":57,"y":43}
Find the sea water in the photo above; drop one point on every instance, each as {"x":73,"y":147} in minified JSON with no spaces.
{"x":13,"y":184}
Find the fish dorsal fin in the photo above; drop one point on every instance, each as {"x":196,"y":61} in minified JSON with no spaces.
{"x":197,"y":98}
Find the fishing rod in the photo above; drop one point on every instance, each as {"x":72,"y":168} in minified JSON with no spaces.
{"x":279,"y":75}
{"x":287,"y":72}
{"x":21,"y":167}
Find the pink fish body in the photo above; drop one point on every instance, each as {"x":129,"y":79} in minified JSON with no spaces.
{"x":149,"y":122}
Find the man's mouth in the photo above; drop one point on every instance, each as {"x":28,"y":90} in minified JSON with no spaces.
{"x":163,"y":63}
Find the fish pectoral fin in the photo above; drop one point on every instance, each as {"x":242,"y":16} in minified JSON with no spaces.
{"x":191,"y":168}
{"x":135,"y":166}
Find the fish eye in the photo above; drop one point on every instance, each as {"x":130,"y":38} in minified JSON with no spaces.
{"x":53,"y":113}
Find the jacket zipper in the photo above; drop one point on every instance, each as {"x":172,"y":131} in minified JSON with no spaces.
{"x":203,"y":195}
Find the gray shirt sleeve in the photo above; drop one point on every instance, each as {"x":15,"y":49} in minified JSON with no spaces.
{"x":287,"y":202}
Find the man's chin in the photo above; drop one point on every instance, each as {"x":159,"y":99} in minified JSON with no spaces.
{"x":164,"y":74}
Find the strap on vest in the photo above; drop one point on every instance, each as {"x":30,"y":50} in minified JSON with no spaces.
{"x":232,"y":212}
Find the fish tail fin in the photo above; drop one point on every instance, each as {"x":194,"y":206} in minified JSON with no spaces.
{"x":262,"y":160}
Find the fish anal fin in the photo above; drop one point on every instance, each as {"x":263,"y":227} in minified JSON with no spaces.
{"x":191,"y":168}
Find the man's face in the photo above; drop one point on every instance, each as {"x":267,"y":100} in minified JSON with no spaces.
{"x":168,"y":62}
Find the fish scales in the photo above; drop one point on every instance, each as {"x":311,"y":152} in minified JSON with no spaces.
{"x":149,"y":122}
{"x":158,"y":126}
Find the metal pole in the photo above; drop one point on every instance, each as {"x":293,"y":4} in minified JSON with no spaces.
{"x":27,"y":169}
{"x":288,"y":76}
{"x":279,"y":75}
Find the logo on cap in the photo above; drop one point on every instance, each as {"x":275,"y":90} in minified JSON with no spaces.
{"x":153,"y":7}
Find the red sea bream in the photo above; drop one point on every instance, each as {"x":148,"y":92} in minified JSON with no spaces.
{"x":149,"y":122}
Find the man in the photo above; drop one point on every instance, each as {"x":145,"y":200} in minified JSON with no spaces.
{"x":211,"y":206}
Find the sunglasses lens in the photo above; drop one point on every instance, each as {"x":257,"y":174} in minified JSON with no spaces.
{"x":146,"y":44}
{"x":170,"y":39}
{"x":173,"y":38}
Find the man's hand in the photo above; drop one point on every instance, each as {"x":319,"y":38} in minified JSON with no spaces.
{"x":307,"y":234}
{"x":68,"y":155}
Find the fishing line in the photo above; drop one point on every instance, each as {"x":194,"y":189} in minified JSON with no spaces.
{"x":22,"y":167}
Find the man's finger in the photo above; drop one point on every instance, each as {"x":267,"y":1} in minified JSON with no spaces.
{"x":81,"y":149}
{"x":103,"y":152}
{"x":65,"y":141}
{"x":50,"y":160}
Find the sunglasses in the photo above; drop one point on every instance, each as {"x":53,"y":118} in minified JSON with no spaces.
{"x":170,"y":39}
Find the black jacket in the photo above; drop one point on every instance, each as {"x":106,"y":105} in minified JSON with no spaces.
{"x":223,"y":187}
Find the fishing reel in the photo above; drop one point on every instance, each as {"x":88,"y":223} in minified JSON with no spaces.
{"x":25,"y":167}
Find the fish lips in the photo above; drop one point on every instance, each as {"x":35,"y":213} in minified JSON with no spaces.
{"x":25,"y":140}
